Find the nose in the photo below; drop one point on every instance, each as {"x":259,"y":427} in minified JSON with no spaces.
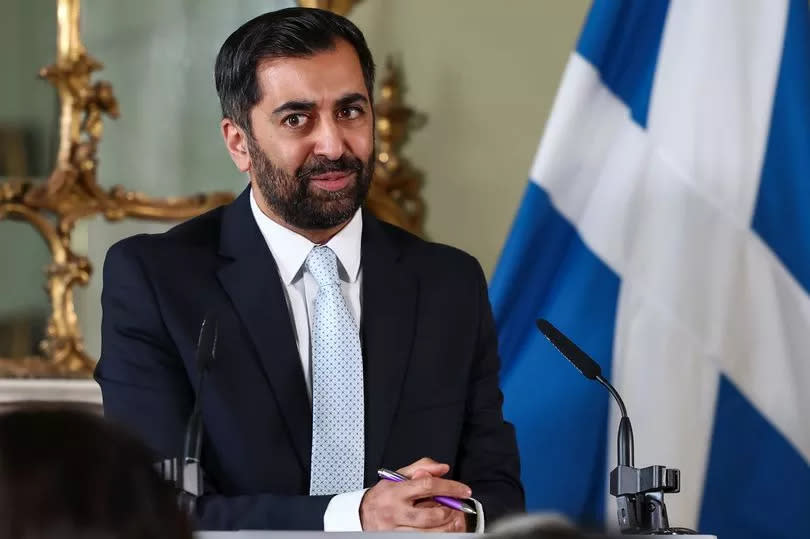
{"x":329,"y":140}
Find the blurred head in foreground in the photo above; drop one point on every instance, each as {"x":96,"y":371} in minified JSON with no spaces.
{"x":67,"y":474}
{"x":539,"y":526}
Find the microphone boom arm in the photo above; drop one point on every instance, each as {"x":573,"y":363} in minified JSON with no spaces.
{"x":185,"y":472}
{"x":624,"y":440}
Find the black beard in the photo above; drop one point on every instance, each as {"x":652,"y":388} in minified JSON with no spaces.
{"x":290,"y":197}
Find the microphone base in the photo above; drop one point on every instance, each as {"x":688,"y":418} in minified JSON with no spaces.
{"x":639,"y":496}
{"x":187,"y":478}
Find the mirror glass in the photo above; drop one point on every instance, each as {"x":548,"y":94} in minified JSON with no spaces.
{"x":29,"y":109}
{"x":28,"y":104}
{"x":159,"y":57}
{"x":24,"y":304}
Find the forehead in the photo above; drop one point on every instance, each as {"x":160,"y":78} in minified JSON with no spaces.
{"x":323,"y":77}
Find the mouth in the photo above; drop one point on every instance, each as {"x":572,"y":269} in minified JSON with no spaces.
{"x":333,"y":181}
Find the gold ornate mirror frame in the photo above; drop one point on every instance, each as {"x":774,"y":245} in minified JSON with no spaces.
{"x":72,"y":192}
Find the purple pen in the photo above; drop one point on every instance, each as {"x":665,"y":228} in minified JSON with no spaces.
{"x":446,"y":501}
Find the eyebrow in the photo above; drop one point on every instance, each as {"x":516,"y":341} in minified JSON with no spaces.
{"x":304,"y":106}
{"x":351,"y":98}
{"x":295,"y":106}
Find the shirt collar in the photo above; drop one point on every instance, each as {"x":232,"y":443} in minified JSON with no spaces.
{"x":290,"y":249}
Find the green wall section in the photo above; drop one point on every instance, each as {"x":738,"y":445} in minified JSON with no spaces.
{"x":485,"y":72}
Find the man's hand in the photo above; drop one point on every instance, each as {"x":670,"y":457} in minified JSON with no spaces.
{"x":408,"y":505}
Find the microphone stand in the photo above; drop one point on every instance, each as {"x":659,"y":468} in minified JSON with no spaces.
{"x":639,"y":492}
{"x":185,"y":472}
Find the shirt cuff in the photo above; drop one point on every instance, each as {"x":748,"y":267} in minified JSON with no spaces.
{"x":343,"y":512}
{"x":479,"y":521}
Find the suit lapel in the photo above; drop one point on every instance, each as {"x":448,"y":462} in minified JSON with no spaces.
{"x":389,"y":314}
{"x":252,"y":282}
{"x":389,"y":305}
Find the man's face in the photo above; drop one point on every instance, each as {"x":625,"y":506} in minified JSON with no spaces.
{"x":312,"y":149}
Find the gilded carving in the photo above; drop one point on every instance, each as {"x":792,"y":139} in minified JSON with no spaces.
{"x":395,"y":192}
{"x":341,"y":7}
{"x":72,"y":192}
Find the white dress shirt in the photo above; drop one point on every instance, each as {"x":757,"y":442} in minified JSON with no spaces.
{"x":290,"y":251}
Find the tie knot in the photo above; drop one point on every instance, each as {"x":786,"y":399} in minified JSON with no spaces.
{"x":322,"y":265}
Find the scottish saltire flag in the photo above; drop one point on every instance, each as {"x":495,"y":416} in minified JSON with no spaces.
{"x":666,"y":229}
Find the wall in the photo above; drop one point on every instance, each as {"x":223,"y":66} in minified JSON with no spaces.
{"x":485,"y":72}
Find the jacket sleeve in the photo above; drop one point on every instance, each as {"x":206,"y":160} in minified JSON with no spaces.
{"x":488,"y":458}
{"x":146,"y":389}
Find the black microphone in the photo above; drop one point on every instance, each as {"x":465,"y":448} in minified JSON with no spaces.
{"x":206,"y":351}
{"x":639,"y":492}
{"x":591,"y":370}
{"x":185,"y":473}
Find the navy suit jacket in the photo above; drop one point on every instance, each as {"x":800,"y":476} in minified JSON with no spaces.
{"x":429,"y":353}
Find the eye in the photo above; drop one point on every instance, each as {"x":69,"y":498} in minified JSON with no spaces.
{"x":349,"y":113}
{"x":295,"y":121}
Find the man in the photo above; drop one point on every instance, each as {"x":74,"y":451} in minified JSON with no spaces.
{"x":344,"y":344}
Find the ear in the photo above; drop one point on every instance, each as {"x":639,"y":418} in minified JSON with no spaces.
{"x":236,"y":142}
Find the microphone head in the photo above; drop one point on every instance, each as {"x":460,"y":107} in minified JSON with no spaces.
{"x":207,"y":342}
{"x":569,"y":350}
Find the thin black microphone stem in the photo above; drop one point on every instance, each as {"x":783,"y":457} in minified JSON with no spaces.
{"x":205,"y":354}
{"x":619,"y":401}
{"x":624,"y":440}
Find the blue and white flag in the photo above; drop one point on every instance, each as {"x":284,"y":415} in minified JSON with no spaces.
{"x":666,"y":230}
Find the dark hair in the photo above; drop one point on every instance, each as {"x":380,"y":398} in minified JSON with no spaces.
{"x":68,"y":474}
{"x":286,"y":33}
{"x":542,"y":525}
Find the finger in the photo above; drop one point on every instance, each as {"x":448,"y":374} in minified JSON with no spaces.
{"x":426,"y":487}
{"x":427,"y":464}
{"x":454,"y":525}
{"x":421,"y":472}
{"x":443,"y":529}
{"x":430,"y":517}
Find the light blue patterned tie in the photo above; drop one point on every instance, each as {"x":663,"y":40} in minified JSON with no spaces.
{"x":337,"y":384}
